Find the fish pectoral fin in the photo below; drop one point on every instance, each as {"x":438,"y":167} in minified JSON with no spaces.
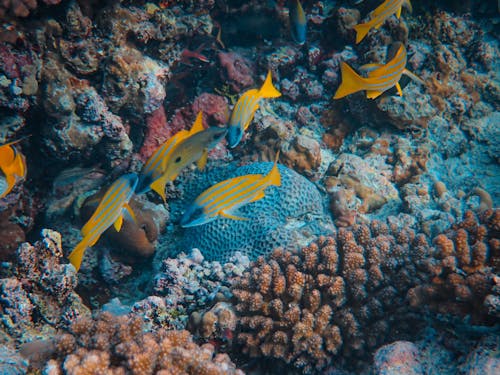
{"x":413,"y":76}
{"x":118,"y":223}
{"x":158,"y":186}
{"x":227,"y":215}
{"x":202,"y":162}
{"x":398,"y":87}
{"x":373,"y":94}
{"x":398,"y":12}
{"x":129,"y":212}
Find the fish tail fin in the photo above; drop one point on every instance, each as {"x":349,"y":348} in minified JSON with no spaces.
{"x":158,"y":186}
{"x":351,"y":82}
{"x":362,"y":30}
{"x":408,"y":5}
{"x":268,"y":90}
{"x":76,"y":255}
{"x":197,"y":125}
{"x":274,"y":176}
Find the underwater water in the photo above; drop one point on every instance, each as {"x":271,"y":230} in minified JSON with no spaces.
{"x":249,"y":187}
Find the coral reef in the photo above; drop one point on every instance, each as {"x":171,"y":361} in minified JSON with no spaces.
{"x":400,"y":357}
{"x":463,"y":267}
{"x":40,"y":295}
{"x":120,"y":345}
{"x":273,"y":221}
{"x":345,"y":295}
{"x":186,"y":284}
{"x":21,"y":8}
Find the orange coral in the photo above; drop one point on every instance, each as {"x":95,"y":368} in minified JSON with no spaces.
{"x":119,"y":345}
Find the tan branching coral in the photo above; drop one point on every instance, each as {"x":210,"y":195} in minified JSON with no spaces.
{"x":115,"y":345}
{"x":348,"y":294}
{"x":466,"y":259}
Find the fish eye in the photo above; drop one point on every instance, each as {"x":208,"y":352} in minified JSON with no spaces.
{"x":178,"y":159}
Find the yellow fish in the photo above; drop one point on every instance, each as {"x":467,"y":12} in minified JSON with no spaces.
{"x":109,"y":212}
{"x":192,"y":149}
{"x":245,"y":108}
{"x":224,"y":198}
{"x":380,"y":15}
{"x":12,"y":167}
{"x":155,"y":165}
{"x":380,"y":77}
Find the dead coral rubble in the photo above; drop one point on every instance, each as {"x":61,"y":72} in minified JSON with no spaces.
{"x":119,"y":345}
{"x":346,"y":294}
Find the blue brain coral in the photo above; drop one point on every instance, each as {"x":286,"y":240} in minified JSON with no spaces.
{"x":287,"y":217}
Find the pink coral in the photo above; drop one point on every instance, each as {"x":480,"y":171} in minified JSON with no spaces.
{"x":214,"y":107}
{"x":238,"y":72}
{"x":157,"y":132}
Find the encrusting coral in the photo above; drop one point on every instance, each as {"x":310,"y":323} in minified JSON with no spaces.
{"x":109,"y":344}
{"x":40,"y":295}
{"x":346,"y":294}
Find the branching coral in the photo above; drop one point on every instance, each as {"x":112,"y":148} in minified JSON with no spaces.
{"x":463,"y":267}
{"x":347,"y":294}
{"x":120,"y":345}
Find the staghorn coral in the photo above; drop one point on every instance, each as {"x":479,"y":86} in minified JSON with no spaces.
{"x":286,"y":216}
{"x":108,"y":344}
{"x":345,"y":295}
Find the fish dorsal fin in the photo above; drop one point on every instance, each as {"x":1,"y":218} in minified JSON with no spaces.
{"x":268,"y":90}
{"x":227,"y":215}
{"x":158,"y":186}
{"x":202,"y":162}
{"x":118,"y":223}
{"x":274,"y":177}
{"x":197,"y":125}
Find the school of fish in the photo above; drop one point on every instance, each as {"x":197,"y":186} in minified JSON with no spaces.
{"x":187,"y":147}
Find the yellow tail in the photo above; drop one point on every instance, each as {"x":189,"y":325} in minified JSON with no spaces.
{"x":361,"y":31}
{"x":76,"y":255}
{"x":158,"y":186}
{"x":268,"y":90}
{"x":197,"y":125}
{"x":274,"y":176}
{"x":351,"y":82}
